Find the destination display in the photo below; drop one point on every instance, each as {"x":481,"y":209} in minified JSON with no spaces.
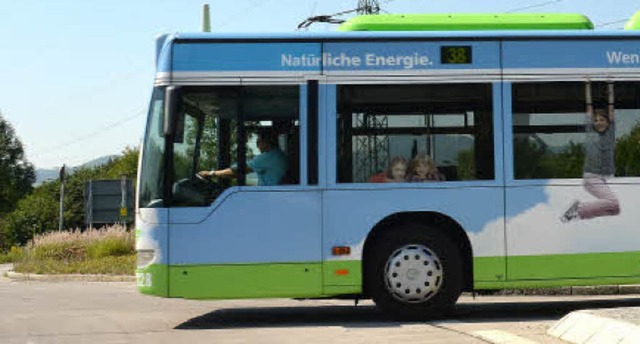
{"x":455,"y":55}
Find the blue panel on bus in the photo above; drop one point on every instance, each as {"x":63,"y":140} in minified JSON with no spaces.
{"x":568,"y":54}
{"x":238,"y":57}
{"x":350,"y":214}
{"x":250,"y":226}
{"x":410,"y":56}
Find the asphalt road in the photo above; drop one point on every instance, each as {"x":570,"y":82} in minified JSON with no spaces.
{"x":92,"y":312}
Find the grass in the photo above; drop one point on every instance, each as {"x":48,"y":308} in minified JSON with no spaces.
{"x":123,"y":265}
{"x":108,"y":251}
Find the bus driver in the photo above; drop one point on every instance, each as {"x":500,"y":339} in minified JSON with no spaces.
{"x":270,"y":165}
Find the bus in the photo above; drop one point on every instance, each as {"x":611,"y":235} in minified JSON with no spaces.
{"x":528,"y":128}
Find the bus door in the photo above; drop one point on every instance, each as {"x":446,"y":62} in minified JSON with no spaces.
{"x":571,"y":195}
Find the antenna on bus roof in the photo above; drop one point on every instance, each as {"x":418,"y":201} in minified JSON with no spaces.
{"x":368,"y":7}
{"x":364,"y":7}
{"x":206,"y":19}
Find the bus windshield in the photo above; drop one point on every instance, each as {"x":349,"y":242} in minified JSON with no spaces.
{"x":152,"y":166}
{"x":211,"y":124}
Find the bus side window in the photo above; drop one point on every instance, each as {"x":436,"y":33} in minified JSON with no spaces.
{"x":452,"y":124}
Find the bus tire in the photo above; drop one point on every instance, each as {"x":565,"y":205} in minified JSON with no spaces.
{"x":414,"y":272}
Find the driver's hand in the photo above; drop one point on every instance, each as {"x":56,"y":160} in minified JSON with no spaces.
{"x":205,"y":174}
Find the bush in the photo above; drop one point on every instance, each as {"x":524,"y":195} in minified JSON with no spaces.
{"x":109,"y":250}
{"x":77,"y":245}
{"x":15,"y":254}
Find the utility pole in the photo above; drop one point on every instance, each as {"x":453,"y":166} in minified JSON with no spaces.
{"x":62,"y":182}
{"x":368,"y":7}
{"x":206,"y":19}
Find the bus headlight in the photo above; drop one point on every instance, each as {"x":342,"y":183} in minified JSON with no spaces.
{"x":145,"y":257}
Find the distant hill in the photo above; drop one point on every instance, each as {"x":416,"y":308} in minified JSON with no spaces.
{"x":43,"y":174}
{"x":98,"y":162}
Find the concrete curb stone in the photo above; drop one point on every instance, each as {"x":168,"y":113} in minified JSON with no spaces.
{"x":16,"y":276}
{"x":582,"y":327}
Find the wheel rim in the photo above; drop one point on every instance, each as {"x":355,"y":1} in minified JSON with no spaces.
{"x":413,"y":274}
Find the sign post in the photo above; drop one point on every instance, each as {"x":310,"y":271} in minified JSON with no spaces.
{"x":62,"y":182}
{"x":123,"y":202}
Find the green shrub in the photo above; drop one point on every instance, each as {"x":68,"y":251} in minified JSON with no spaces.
{"x":111,"y":247}
{"x":15,"y":254}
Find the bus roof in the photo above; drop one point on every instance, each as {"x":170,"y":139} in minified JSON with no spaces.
{"x":399,"y":35}
{"x":634,"y":22}
{"x":467,"y":22}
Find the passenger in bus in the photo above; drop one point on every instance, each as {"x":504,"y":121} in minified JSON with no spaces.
{"x":270,"y":165}
{"x":599,"y":164}
{"x":423,"y":169}
{"x":396,"y":172}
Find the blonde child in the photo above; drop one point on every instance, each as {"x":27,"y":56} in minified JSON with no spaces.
{"x":423,"y":169}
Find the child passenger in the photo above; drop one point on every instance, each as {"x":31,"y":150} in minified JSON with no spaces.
{"x":397,"y":170}
{"x":423,"y":169}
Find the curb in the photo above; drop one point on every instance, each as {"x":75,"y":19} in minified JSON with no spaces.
{"x":16,"y":276}
{"x":582,"y":327}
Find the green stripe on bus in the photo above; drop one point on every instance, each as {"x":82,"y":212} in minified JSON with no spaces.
{"x":467,"y":21}
{"x":246,"y":281}
{"x":568,"y":266}
{"x":315,"y":279}
{"x":274,"y":280}
{"x":153,"y":280}
{"x":489,"y":268}
{"x":338,"y":273}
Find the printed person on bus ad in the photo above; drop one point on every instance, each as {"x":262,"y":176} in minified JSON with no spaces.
{"x":599,"y":162}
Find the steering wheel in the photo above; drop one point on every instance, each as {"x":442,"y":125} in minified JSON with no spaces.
{"x":196,"y":190}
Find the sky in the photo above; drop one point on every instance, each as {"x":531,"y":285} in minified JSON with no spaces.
{"x":76,"y":76}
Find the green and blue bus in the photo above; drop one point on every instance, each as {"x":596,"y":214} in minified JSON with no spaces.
{"x":495,"y":103}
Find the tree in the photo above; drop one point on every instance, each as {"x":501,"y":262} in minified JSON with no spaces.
{"x":16,"y":173}
{"x":38,"y":212}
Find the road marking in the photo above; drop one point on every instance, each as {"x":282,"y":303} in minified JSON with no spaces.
{"x":501,"y":337}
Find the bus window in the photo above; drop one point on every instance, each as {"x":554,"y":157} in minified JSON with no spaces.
{"x":219,"y":129}
{"x":152,"y":167}
{"x":449,"y":123}
{"x":550,"y":129}
{"x":271,"y":127}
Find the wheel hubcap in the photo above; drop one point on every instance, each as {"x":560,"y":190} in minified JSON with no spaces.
{"x":413,"y":274}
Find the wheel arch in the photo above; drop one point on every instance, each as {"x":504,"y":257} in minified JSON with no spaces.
{"x":437,"y":221}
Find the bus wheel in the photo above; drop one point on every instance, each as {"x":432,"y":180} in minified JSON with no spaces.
{"x":414,"y":272}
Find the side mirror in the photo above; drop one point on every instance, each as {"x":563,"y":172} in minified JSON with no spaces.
{"x":171,"y":105}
